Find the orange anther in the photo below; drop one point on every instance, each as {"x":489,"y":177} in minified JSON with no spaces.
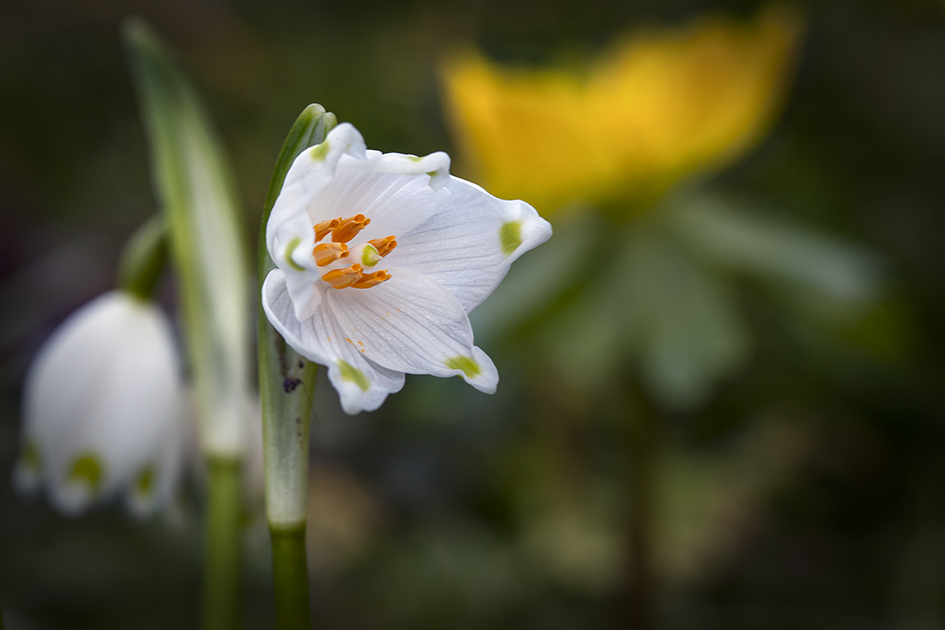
{"x":384,"y":245}
{"x":327,"y":253}
{"x":349,"y":228}
{"x":369,"y":280}
{"x":322,"y":228}
{"x":341,"y":278}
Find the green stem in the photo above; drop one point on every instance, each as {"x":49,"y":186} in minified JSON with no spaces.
{"x":637,"y":598}
{"x":290,"y":578}
{"x":286,"y":388}
{"x":221,"y":569}
{"x":640,"y":587}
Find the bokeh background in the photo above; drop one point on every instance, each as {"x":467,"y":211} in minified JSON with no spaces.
{"x":803,"y":487}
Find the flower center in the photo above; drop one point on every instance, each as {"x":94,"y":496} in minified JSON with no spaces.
{"x":334,"y":254}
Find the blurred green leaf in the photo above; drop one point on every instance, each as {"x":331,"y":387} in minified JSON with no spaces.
{"x":650,"y":305}
{"x":193,"y":185}
{"x":688,"y":333}
{"x":538,"y":278}
{"x":749,"y":242}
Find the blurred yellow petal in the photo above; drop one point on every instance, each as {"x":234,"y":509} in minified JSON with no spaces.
{"x":677,"y":102}
{"x":525,"y":132}
{"x":658,"y":107}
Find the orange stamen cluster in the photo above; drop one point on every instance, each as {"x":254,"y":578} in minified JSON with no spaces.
{"x":327,"y":253}
{"x":384,"y":245}
{"x":349,"y":228}
{"x":373,"y":279}
{"x":343,"y":278}
{"x":342,"y":231}
{"x":323,"y":228}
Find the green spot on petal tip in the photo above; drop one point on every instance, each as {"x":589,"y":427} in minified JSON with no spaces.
{"x":31,"y":456}
{"x":510,"y":236}
{"x":465,"y":365}
{"x":144,"y":484}
{"x":87,"y":468}
{"x":319,"y":151}
{"x":295,"y":242}
{"x":354,"y":375}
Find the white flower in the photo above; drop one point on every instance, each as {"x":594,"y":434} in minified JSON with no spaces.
{"x":380,"y":259}
{"x":102,"y":404}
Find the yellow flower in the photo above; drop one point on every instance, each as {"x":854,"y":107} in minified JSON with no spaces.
{"x":657,"y":107}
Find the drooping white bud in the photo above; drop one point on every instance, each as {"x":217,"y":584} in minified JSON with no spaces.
{"x":103,"y":405}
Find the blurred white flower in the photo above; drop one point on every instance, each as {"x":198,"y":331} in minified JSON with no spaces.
{"x":102,"y":407}
{"x":380,"y":259}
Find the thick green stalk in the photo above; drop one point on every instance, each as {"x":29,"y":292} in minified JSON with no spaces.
{"x":290,"y":578}
{"x":286,"y":379}
{"x":221,"y":576}
{"x":286,"y":388}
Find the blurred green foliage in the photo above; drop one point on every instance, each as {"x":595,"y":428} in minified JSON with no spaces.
{"x":802,"y":489}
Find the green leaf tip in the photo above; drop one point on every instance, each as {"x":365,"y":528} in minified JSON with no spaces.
{"x":145,"y":48}
{"x":465,"y":365}
{"x":510,"y":236}
{"x":135,"y":30}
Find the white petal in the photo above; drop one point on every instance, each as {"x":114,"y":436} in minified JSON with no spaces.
{"x":315,"y":185}
{"x":107,"y":386}
{"x":339,"y":179}
{"x":144,"y":498}
{"x":469,"y":245}
{"x":382,"y":189}
{"x":412,"y":324}
{"x":361,"y":384}
{"x":289,"y":234}
{"x":311,"y":171}
{"x":359,"y":387}
{"x":435,"y":165}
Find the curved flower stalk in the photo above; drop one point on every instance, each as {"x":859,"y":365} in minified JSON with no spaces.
{"x":656,"y":108}
{"x":380,"y":258}
{"x":103,"y":404}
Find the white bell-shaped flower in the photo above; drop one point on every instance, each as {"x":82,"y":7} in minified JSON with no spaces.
{"x":380,"y":258}
{"x":103,"y":406}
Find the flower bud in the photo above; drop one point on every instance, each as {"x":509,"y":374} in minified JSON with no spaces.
{"x":103,"y":406}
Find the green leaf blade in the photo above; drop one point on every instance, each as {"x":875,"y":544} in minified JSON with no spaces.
{"x":192,"y":183}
